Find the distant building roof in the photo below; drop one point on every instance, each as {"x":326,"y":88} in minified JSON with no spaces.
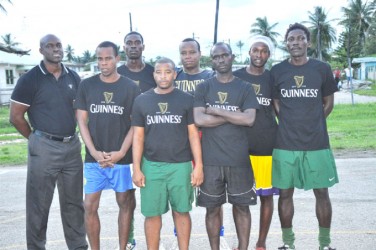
{"x":364,"y":59}
{"x":16,"y":59}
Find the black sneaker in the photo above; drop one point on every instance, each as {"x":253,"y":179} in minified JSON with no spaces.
{"x":286,"y":247}
{"x":327,"y":248}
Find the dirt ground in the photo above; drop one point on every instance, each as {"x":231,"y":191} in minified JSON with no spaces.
{"x":351,"y":153}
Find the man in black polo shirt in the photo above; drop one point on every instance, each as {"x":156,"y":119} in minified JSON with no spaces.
{"x":47,"y":93}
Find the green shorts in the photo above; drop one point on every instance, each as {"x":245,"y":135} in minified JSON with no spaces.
{"x":303,"y":169}
{"x":166,"y":184}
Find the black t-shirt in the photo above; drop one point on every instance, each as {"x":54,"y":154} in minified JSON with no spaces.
{"x":261,"y":136}
{"x":300,"y":90}
{"x":144,"y":79}
{"x":50,"y":101}
{"x":187,"y":82}
{"x":165,"y":118}
{"x":109,"y":106}
{"x":227,"y":144}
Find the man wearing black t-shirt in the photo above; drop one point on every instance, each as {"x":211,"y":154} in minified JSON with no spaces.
{"x":165,"y":138}
{"x":261,"y":135}
{"x":47,"y":93}
{"x":303,"y":98}
{"x":224,"y":107}
{"x":104,"y":104}
{"x":135,"y":68}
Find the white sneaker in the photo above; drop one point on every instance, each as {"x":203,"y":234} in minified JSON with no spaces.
{"x":161,"y":247}
{"x":175,"y":245}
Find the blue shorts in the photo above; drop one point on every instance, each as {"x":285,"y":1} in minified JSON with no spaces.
{"x":96,"y":178}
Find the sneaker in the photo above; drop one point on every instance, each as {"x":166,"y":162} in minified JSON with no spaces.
{"x":327,"y":248}
{"x":285,"y":247}
{"x":131,"y":245}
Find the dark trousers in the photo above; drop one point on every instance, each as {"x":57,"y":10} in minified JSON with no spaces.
{"x":51,"y":162}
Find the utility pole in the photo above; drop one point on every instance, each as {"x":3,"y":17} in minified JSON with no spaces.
{"x":130,"y":21}
{"x":216,"y":22}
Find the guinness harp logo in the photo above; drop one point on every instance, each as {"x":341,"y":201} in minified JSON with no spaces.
{"x":256,"y":88}
{"x":108,"y":97}
{"x":299,"y":81}
{"x":163,"y":107}
{"x":222,"y":97}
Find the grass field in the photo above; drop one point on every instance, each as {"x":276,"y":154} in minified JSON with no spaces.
{"x":351,"y":127}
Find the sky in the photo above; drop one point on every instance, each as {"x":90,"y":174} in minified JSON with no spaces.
{"x":84,"y":24}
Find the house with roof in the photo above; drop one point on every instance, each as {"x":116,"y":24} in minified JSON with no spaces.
{"x":14,"y":65}
{"x":367,"y":69}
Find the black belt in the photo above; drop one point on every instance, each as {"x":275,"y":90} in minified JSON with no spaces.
{"x":54,"y":137}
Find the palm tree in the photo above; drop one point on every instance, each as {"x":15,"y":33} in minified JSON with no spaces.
{"x":322,"y":33}
{"x":87,"y":57}
{"x":262,"y":27}
{"x":69,"y":52}
{"x":8,"y":40}
{"x":359,"y":16}
{"x":240,"y":44}
{"x":2,"y":6}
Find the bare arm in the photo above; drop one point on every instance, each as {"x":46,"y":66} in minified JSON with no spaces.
{"x":102,"y":158}
{"x":328,"y":103}
{"x":246,"y":118}
{"x":276,"y":106}
{"x":202,"y":119}
{"x":197,"y":176}
{"x":137,"y":150}
{"x":17,"y":118}
{"x":118,"y":155}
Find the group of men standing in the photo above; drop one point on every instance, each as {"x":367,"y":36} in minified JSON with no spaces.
{"x":181,"y":129}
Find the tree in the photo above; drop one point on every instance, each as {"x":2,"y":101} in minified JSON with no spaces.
{"x":359,"y":16}
{"x":2,"y":8}
{"x":8,"y":40}
{"x":69,"y":52}
{"x":240,"y":44}
{"x":322,"y":33}
{"x":87,"y":57}
{"x":262,"y":27}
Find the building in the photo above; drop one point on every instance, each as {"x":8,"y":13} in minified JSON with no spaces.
{"x":13,"y":66}
{"x":367,"y":69}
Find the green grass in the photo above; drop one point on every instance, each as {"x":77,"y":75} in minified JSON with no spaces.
{"x":13,"y":154}
{"x":351,"y":127}
{"x":369,"y":92}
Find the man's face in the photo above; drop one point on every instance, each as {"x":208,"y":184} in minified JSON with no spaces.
{"x":133,"y":46}
{"x":259,"y":54}
{"x":164,"y":75}
{"x":222,"y":58}
{"x":297,"y":43}
{"x":189,"y":55}
{"x":107,"y":60}
{"x":52,"y":50}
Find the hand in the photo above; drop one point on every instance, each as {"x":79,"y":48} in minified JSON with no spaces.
{"x":211,"y":111}
{"x":116,"y":156}
{"x":138,"y":178}
{"x":197,"y":176}
{"x":103,"y":158}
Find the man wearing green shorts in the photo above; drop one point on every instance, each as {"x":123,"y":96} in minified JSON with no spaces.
{"x":303,"y":98}
{"x":165,"y":138}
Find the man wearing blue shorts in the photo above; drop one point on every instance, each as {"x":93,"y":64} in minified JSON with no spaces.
{"x":303,"y":98}
{"x":104,"y":104}
{"x":165,"y":138}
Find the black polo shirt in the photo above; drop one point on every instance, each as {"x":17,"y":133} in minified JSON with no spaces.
{"x":50,"y":101}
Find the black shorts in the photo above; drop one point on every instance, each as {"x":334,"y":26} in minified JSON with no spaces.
{"x":235,"y":184}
